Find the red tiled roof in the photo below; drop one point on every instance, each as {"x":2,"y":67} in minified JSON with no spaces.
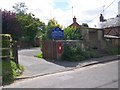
{"x":115,"y":31}
{"x":75,"y":24}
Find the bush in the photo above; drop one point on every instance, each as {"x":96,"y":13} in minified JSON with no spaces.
{"x":75,"y":53}
{"x":68,"y":53}
{"x":10,"y":70}
{"x":6,"y":39}
{"x":113,"y":51}
{"x":16,"y":69}
{"x":7,"y":74}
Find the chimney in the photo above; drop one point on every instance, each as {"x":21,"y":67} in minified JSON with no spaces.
{"x":101,"y":18}
{"x":74,"y":20}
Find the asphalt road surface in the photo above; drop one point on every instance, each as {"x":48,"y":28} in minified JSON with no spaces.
{"x":96,"y":76}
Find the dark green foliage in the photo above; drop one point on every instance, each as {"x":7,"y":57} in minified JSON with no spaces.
{"x":6,"y":40}
{"x":92,"y":54}
{"x":113,"y":51}
{"x":10,"y":70}
{"x":68,"y":53}
{"x":75,"y":53}
{"x":7,"y":74}
{"x":31,"y":26}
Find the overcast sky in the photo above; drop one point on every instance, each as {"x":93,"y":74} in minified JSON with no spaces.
{"x":62,"y":11}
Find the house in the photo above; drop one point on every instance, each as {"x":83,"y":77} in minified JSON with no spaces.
{"x":111,"y":27}
{"x":75,"y":24}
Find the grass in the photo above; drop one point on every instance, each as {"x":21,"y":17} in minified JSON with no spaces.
{"x":39,"y":55}
{"x":10,"y":70}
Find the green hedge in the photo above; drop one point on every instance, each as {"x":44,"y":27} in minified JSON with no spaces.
{"x":7,"y":74}
{"x":113,"y":51}
{"x":5,"y":49}
{"x":10,"y":69}
{"x":6,"y":39}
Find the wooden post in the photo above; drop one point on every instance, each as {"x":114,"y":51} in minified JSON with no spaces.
{"x":15,"y":52}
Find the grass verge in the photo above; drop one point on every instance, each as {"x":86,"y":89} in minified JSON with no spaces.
{"x":10,"y":70}
{"x":39,"y":55}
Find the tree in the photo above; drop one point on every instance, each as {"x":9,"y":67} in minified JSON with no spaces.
{"x":71,"y":33}
{"x":52,"y":23}
{"x":85,"y":25}
{"x":31,"y":26}
{"x":10,"y":24}
{"x":20,"y":8}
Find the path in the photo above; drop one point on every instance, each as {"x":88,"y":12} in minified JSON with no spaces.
{"x":35,"y":66}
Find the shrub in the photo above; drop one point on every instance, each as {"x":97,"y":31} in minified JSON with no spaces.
{"x":6,"y":39}
{"x":75,"y":53}
{"x":7,"y":74}
{"x":10,"y":70}
{"x":113,"y":51}
{"x":16,"y":69}
{"x":68,"y":53}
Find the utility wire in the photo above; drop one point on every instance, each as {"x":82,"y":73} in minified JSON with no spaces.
{"x":102,"y":11}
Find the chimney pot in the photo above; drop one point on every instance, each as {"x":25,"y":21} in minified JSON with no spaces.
{"x":74,"y":20}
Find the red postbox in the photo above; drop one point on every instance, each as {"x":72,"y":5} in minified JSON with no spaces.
{"x":59,"y":48}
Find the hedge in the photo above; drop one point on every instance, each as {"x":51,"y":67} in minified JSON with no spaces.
{"x":75,"y":53}
{"x":5,"y":49}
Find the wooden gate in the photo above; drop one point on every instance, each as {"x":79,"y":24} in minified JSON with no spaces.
{"x":48,"y":49}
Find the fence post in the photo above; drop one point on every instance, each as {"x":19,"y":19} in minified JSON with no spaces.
{"x":15,"y":52}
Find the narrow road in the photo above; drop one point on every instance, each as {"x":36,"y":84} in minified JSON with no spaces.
{"x":96,"y":76}
{"x":35,"y":66}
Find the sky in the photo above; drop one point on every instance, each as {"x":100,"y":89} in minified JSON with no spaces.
{"x":85,"y":11}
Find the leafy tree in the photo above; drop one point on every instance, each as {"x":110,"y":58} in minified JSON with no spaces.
{"x":71,"y":33}
{"x":52,"y":23}
{"x":20,"y":8}
{"x":10,"y":24}
{"x":31,"y":26}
